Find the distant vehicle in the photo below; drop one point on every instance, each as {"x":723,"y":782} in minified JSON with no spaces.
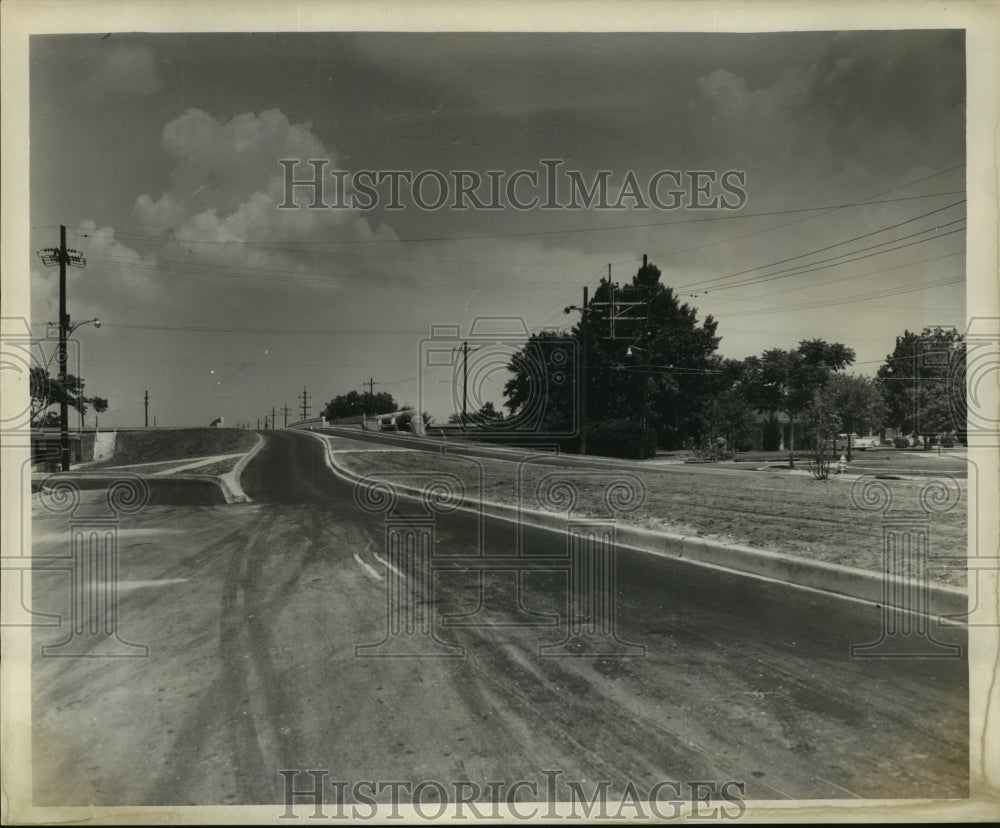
{"x":857,"y":442}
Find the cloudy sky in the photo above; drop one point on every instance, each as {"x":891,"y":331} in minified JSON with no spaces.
{"x":160,"y":154}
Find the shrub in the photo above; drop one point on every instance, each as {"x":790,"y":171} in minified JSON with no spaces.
{"x":621,"y":438}
{"x":820,"y":457}
{"x":948,"y":440}
{"x":899,"y":441}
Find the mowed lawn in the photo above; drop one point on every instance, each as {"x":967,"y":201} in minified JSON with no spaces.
{"x":774,"y":510}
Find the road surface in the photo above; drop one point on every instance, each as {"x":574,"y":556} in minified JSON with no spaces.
{"x":252,"y":614}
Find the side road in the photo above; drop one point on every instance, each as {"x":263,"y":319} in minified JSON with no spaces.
{"x":227,"y":483}
{"x":854,"y":583}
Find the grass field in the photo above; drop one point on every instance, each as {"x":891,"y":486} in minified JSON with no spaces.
{"x":134,"y":447}
{"x":774,"y":510}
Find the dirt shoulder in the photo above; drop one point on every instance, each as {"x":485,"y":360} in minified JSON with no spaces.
{"x":773,"y":510}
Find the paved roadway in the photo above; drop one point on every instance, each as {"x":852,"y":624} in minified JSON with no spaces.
{"x":252,"y":612}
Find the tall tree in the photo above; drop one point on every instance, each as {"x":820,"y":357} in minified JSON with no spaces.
{"x":540,"y":395}
{"x":726,"y":412}
{"x":782,"y":380}
{"x":923,"y":383}
{"x":649,"y":359}
{"x":856,"y":401}
{"x":649,"y":364}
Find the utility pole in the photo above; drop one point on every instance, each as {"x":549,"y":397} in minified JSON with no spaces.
{"x":258,"y":424}
{"x":72,"y":258}
{"x":146,"y":403}
{"x":305,"y":403}
{"x":274,"y":421}
{"x":584,"y":322}
{"x":465,"y":382}
{"x":371,"y":393}
{"x":583,"y":370}
{"x":286,"y":409}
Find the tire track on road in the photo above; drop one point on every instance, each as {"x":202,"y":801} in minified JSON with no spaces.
{"x":247,"y":753}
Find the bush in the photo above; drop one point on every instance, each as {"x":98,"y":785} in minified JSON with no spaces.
{"x":899,"y":441}
{"x":948,"y":440}
{"x":621,"y":438}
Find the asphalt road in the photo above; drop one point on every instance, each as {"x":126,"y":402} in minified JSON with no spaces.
{"x":252,"y":612}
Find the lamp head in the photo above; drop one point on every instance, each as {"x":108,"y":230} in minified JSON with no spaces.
{"x":97,"y":323}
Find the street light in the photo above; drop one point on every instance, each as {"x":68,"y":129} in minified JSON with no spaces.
{"x":68,"y":333}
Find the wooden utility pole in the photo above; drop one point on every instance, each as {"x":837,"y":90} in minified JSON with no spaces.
{"x":305,"y":403}
{"x":465,"y":382}
{"x":64,"y":258}
{"x":371,"y":393}
{"x":583,"y":370}
{"x":286,"y":409}
{"x":146,"y":404}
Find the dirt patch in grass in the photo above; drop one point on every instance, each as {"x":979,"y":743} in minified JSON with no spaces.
{"x":215,"y":469}
{"x":133,"y":447}
{"x":778,"y":511}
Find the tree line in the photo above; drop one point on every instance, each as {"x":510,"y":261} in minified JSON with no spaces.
{"x":654,"y":380}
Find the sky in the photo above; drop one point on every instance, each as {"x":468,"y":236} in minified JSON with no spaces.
{"x":160,"y":153}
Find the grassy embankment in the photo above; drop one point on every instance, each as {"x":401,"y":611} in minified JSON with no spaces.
{"x":790,"y":513}
{"x":134,"y":450}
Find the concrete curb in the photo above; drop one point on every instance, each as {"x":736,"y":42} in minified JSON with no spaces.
{"x":230,"y":481}
{"x":825,"y":577}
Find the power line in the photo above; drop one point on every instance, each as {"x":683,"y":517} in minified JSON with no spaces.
{"x":814,"y":285}
{"x":880,"y":294}
{"x":535,"y":233}
{"x":806,"y":218}
{"x":810,"y":253}
{"x":317,"y":277}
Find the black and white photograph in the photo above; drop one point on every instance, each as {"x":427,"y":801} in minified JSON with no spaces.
{"x":423,"y":413}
